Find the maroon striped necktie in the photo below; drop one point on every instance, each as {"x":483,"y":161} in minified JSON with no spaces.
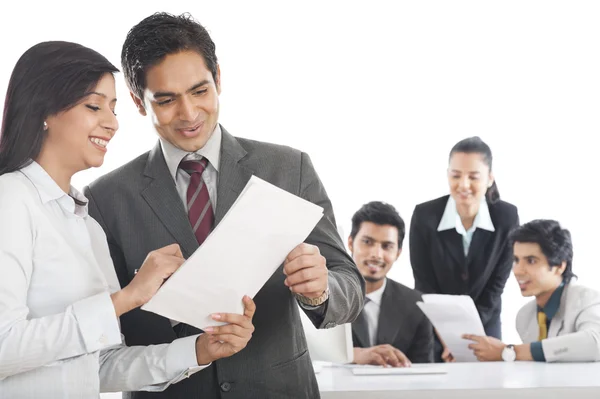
{"x":200,"y":212}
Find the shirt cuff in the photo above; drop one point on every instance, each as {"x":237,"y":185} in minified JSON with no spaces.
{"x":181,"y":356}
{"x":537,"y":351}
{"x":98,"y":323}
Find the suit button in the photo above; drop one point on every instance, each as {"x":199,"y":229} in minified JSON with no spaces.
{"x":225,"y":387}
{"x":464,"y":276}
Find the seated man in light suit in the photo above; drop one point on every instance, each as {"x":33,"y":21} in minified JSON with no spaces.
{"x":391,"y":329}
{"x":563,"y":323}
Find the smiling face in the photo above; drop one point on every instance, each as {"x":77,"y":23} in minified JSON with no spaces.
{"x":77,"y":138}
{"x":534,"y":274}
{"x":469,"y":178}
{"x":374,"y":250}
{"x":182,"y":99}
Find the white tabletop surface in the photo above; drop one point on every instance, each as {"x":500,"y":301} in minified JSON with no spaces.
{"x":469,"y":380}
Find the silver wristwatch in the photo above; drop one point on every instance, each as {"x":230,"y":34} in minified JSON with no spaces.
{"x":509,"y":354}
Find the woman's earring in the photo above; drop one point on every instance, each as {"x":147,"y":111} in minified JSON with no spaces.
{"x":45,"y":126}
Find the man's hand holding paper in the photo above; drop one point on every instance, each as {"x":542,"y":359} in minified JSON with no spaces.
{"x":265,"y":228}
{"x":306,"y":271}
{"x":453,"y":316}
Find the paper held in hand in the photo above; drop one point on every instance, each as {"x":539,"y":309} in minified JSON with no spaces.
{"x":453,"y":316}
{"x":251,"y":242}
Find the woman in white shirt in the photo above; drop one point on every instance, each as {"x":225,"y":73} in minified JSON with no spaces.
{"x":60,"y":299}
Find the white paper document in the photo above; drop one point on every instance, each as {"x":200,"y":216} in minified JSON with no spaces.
{"x":452,"y":316}
{"x":414,"y":369}
{"x":255,"y":236}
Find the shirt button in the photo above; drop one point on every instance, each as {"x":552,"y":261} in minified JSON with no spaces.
{"x":225,"y":387}
{"x":103,"y":339}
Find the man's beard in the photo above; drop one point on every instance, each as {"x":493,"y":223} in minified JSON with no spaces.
{"x":373,"y":279}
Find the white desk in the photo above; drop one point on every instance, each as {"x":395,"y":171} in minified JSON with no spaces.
{"x":469,"y":380}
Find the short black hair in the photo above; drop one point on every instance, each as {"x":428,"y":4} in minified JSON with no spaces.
{"x":379,"y":213}
{"x":475,"y":145}
{"x":554,"y":241}
{"x":49,"y":78}
{"x":157,"y":36}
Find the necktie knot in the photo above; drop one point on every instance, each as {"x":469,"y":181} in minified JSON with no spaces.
{"x":194,"y":166}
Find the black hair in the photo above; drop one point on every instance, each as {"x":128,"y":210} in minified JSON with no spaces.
{"x":157,"y":36}
{"x":379,"y":213}
{"x":49,"y":78}
{"x":474,"y":145}
{"x":554,"y":241}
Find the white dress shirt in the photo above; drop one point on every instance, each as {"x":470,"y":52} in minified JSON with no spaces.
{"x":59,"y":334}
{"x":372,"y":308}
{"x":211,"y":151}
{"x":451,"y":220}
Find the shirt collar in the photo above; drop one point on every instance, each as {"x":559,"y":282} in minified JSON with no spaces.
{"x":554,"y":302}
{"x":49,"y":190}
{"x":451,"y":218}
{"x":211,"y":151}
{"x":375,"y":296}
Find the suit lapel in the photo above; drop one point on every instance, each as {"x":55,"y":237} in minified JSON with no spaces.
{"x":478,"y":244}
{"x":454,"y":245}
{"x":531,"y":328}
{"x":161,"y":195}
{"x":361,"y":330}
{"x":233,"y":177}
{"x":557,"y":322}
{"x":388,"y":323}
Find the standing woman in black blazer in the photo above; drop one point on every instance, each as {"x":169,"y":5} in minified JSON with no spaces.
{"x":459,"y":242}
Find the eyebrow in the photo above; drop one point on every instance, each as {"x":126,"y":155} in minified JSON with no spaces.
{"x":114,"y":100}
{"x":372,"y":239}
{"x":474,"y":172}
{"x":173,"y":94}
{"x":527,"y":257}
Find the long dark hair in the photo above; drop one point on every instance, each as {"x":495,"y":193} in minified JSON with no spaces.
{"x":474,"y":145}
{"x":49,"y":78}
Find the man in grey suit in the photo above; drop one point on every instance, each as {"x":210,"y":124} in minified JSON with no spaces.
{"x":181,"y":189}
{"x":391,"y":329}
{"x":562,"y":324}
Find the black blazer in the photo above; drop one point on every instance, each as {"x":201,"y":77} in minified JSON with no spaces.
{"x":439,"y":264}
{"x":401,"y":324}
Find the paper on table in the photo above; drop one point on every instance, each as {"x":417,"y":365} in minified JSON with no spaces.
{"x":260,"y":229}
{"x":412,"y":370}
{"x":453,"y":316}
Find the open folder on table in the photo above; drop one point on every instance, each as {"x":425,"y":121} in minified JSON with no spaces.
{"x":255,"y":236}
{"x":452,"y":316}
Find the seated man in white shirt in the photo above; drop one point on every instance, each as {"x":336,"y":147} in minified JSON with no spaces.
{"x":391,"y":330}
{"x":562,"y":324}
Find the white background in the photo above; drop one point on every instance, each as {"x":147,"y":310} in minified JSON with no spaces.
{"x":377,"y":92}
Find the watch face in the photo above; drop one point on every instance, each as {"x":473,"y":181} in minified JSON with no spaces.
{"x":509,"y":354}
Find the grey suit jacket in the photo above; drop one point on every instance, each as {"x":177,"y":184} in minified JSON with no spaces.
{"x":401,"y":324}
{"x":574,"y":333}
{"x":140,"y":211}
